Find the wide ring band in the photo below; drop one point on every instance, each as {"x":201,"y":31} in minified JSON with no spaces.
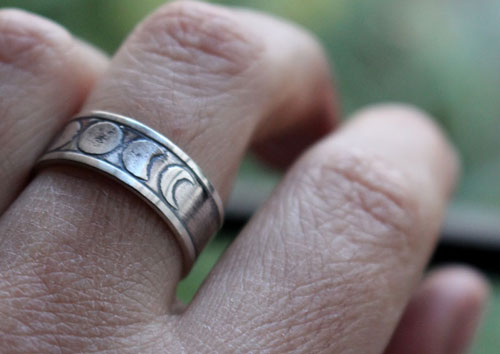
{"x":151,"y":166}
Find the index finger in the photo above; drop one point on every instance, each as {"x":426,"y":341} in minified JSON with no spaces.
{"x":332,"y":258}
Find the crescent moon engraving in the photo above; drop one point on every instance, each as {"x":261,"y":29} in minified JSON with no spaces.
{"x":172,"y":177}
{"x":138,"y":156}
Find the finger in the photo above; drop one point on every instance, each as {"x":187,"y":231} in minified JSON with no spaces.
{"x":331,"y":260}
{"x":442,"y":315}
{"x":198,"y":74}
{"x":45,"y":77}
{"x":281,"y":148}
{"x":279,"y":141}
{"x":242,"y":76}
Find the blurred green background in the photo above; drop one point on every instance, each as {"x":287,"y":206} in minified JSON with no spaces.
{"x":440,"y":55}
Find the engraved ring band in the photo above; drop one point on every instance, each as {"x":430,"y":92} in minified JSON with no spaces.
{"x":150,"y":165}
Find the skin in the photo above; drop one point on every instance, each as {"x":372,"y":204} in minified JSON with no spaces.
{"x":332,"y":263}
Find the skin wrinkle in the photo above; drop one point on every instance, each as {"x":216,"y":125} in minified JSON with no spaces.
{"x":181,"y":29}
{"x":387,"y":209}
{"x":304,"y":218}
{"x":29,"y":48}
{"x":97,"y":335}
{"x":18,"y":129}
{"x":302,"y":312}
{"x":288,"y":337}
{"x":304,"y":315}
{"x":43,"y":64}
{"x":57,"y":295}
{"x":272,"y":306}
{"x":22,"y":44}
{"x":246,"y":53}
{"x":58,"y":276}
{"x":364,"y":171}
{"x":348,"y":181}
{"x":250,"y":323}
{"x":176,"y":82}
{"x":66,"y":343}
{"x":8,"y":133}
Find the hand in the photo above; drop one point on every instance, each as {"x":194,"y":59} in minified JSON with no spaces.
{"x":328,"y":264}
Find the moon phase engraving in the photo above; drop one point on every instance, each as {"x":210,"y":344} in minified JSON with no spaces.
{"x":149,"y":164}
{"x":172,"y":177}
{"x":138,"y":156}
{"x":100,"y":138}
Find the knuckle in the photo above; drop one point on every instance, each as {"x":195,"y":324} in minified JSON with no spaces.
{"x":206,"y":37}
{"x":39,"y":298}
{"x":26,"y":39}
{"x":370,"y":197}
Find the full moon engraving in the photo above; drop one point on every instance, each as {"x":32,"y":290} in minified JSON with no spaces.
{"x":172,"y":178}
{"x":138,"y":155}
{"x":100,"y":138}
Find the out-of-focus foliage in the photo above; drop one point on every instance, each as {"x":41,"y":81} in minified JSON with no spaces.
{"x":440,"y":55}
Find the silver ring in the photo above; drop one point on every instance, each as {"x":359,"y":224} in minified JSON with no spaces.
{"x":151,"y":166}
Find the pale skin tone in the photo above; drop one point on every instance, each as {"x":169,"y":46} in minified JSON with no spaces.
{"x":332,"y":263}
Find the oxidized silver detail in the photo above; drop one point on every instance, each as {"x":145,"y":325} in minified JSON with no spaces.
{"x":151,"y":166}
{"x":100,"y":138}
